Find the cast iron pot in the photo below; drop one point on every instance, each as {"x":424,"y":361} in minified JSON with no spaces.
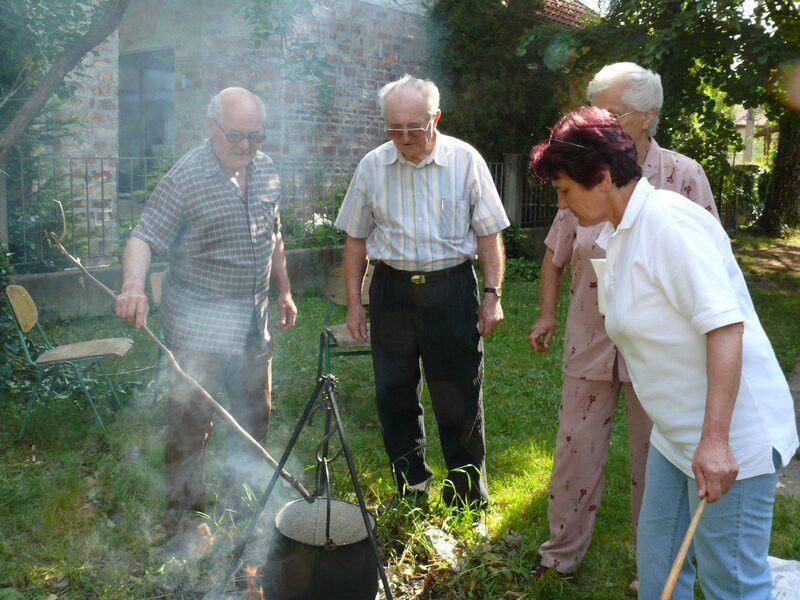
{"x":303,"y":563}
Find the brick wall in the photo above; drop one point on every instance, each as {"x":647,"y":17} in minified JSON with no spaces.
{"x":367,"y":45}
{"x":92,"y":190}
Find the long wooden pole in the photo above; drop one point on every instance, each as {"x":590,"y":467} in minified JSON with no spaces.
{"x":672,"y":578}
{"x":56,"y":241}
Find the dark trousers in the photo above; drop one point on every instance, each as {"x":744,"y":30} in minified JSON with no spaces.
{"x":435,"y":323}
{"x":246,"y":379}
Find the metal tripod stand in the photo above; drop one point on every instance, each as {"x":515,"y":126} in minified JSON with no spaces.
{"x":317,"y":401}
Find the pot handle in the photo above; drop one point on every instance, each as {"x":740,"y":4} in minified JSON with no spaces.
{"x":329,"y":543}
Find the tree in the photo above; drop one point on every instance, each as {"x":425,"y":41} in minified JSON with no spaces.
{"x":783,"y":206}
{"x":707,"y":51}
{"x":494,"y":98}
{"x":302,"y":57}
{"x":44,"y":41}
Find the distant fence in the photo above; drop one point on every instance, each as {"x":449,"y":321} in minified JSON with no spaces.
{"x":97,"y":213}
{"x":103,"y":198}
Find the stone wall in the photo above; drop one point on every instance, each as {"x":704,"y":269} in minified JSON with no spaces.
{"x":68,"y":294}
{"x":365,"y":43}
{"x":95,"y":102}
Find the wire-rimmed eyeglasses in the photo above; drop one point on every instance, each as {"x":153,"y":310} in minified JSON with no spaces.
{"x":618,"y":116}
{"x":410,"y":131}
{"x":554,"y":139}
{"x":234,"y":136}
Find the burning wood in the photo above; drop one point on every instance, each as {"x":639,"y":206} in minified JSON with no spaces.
{"x":254,"y":590}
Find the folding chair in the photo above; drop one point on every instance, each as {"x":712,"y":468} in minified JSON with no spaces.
{"x":79,"y":357}
{"x":336,"y":339}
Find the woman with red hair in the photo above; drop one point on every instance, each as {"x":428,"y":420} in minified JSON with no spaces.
{"x":678,"y":309}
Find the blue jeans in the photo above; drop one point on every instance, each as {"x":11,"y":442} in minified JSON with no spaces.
{"x":731,"y":542}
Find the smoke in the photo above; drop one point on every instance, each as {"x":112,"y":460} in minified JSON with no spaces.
{"x":129,"y":543}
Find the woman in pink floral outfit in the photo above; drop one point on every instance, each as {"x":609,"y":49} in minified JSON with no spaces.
{"x":594,"y":371}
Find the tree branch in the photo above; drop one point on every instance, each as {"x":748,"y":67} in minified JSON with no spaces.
{"x":19,"y":82}
{"x":98,"y":31}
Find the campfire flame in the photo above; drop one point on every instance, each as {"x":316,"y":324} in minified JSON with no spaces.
{"x":253,"y":591}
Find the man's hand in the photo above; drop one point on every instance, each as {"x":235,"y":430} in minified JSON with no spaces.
{"x":357,"y":323}
{"x":714,"y":467}
{"x":490,"y":314}
{"x":541,"y":332}
{"x":133,"y":305}
{"x":287,"y":312}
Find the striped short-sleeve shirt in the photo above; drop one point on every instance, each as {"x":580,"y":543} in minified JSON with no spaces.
{"x":426,"y":216}
{"x":219,"y":247}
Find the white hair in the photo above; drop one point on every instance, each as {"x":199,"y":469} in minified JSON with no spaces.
{"x":215,"y":107}
{"x":641,"y":88}
{"x":425,"y":87}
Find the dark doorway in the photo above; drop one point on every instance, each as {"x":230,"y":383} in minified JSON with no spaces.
{"x":146,"y":118}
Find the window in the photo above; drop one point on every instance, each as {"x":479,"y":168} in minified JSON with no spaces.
{"x":146,"y":116}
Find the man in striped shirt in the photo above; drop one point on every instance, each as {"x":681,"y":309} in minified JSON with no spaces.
{"x":422,"y":206}
{"x":215,"y":214}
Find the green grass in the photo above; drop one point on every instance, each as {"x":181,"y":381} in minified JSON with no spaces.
{"x":81,"y":510}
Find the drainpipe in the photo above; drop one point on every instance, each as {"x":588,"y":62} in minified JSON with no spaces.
{"x":513,"y":188}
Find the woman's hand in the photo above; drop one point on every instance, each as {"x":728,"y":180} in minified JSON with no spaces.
{"x":541,"y":332}
{"x":714,"y":467}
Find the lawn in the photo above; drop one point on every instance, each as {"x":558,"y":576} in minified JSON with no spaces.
{"x":81,"y":509}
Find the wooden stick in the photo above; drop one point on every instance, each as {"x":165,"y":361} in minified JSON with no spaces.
{"x":56,"y":241}
{"x":672,"y":579}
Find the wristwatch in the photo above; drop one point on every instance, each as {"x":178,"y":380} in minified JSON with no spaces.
{"x":492,"y":290}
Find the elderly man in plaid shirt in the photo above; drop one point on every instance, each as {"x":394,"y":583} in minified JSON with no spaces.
{"x":215,"y":214}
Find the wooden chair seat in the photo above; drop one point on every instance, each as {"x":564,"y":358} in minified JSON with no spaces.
{"x":335,"y":338}
{"x":341,"y":336}
{"x":85,"y":350}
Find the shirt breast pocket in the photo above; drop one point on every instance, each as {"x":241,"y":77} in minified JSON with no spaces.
{"x":268,"y":214}
{"x":454,"y":219}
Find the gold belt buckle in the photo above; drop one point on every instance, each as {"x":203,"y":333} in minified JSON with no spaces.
{"x":418,"y":279}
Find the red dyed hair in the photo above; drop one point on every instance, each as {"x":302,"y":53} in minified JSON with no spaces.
{"x":584,"y":143}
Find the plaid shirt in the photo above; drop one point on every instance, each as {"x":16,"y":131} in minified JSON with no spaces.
{"x":219,"y":250}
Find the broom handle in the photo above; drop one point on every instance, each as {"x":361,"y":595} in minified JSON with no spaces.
{"x":672,"y":579}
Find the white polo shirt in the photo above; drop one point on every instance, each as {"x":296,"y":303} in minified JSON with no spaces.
{"x":671,"y":277}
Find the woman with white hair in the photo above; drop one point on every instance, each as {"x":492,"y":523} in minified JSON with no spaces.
{"x":635,"y":96}
{"x":594,"y":371}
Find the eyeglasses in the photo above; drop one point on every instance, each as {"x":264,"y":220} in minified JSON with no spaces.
{"x":234,"y":136}
{"x":552,"y":139}
{"x":413,"y":132}
{"x":618,"y":116}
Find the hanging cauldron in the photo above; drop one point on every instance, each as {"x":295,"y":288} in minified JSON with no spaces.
{"x":321,"y":549}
